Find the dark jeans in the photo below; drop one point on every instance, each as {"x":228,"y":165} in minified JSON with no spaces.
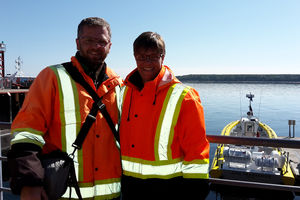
{"x":175,"y":188}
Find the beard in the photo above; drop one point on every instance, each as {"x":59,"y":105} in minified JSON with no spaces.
{"x":93,"y":61}
{"x":92,"y":57}
{"x":94,"y":64}
{"x":91,"y":64}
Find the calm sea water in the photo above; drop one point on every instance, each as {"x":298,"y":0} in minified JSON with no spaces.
{"x":274,"y":104}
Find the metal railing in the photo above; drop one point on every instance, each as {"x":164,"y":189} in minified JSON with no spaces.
{"x":2,"y":158}
{"x":5,"y":82}
{"x":256,"y":185}
{"x":287,"y":143}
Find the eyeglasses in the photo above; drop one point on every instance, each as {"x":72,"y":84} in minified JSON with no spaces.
{"x":92,"y":41}
{"x":149,"y":58}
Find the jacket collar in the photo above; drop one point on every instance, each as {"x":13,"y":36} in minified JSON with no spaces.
{"x":112,"y":79}
{"x":92,"y":72}
{"x":164,"y":79}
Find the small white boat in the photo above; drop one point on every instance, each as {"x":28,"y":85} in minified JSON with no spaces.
{"x":251,"y":163}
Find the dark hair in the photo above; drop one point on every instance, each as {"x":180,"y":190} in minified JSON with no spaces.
{"x":93,"y":21}
{"x":149,"y":40}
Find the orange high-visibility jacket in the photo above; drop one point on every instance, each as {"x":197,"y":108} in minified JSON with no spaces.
{"x":52,"y":115}
{"x":162,"y":130}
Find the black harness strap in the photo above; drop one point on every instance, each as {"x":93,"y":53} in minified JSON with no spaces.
{"x":90,"y":119}
{"x":73,"y":182}
{"x":98,"y":105}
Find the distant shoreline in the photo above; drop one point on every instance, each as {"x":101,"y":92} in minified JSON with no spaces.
{"x":242,"y":78}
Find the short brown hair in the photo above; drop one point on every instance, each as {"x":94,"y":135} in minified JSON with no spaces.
{"x":93,"y":21}
{"x":149,"y":40}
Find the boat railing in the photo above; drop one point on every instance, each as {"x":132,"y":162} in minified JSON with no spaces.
{"x":286,"y":143}
{"x":254,"y":141}
{"x":280,"y":143}
{"x":15,"y":82}
{"x":2,"y":158}
{"x":5,"y":82}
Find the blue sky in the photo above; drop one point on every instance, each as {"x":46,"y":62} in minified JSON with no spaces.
{"x":202,"y":37}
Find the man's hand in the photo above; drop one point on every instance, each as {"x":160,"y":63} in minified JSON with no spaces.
{"x":33,"y":193}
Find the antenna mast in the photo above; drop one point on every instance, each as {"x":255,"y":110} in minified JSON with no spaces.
{"x":250,"y":97}
{"x":2,"y":50}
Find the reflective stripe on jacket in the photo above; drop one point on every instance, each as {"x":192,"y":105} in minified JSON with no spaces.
{"x":162,"y":130}
{"x":51,"y":116}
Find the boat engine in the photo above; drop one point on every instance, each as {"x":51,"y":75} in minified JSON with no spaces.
{"x":237,"y":155}
{"x":273,"y":160}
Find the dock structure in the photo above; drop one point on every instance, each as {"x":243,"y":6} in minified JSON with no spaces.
{"x":12,"y":99}
{"x":294,"y":156}
{"x":5,"y":139}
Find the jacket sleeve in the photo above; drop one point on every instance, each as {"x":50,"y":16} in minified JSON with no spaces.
{"x":36,"y":113}
{"x":192,"y":137}
{"x":25,"y":168}
{"x":28,"y":129}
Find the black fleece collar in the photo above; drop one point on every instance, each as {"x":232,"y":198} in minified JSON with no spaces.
{"x":92,"y":73}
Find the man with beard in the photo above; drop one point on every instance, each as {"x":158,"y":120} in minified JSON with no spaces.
{"x":53,"y":112}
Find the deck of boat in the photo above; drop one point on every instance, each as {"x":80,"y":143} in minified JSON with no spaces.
{"x":288,"y":144}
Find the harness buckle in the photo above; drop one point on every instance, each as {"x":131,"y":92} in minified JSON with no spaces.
{"x":100,"y":105}
{"x":91,"y":116}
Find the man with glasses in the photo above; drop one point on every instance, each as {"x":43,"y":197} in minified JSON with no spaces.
{"x":54,"y":111}
{"x":165,"y":153}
